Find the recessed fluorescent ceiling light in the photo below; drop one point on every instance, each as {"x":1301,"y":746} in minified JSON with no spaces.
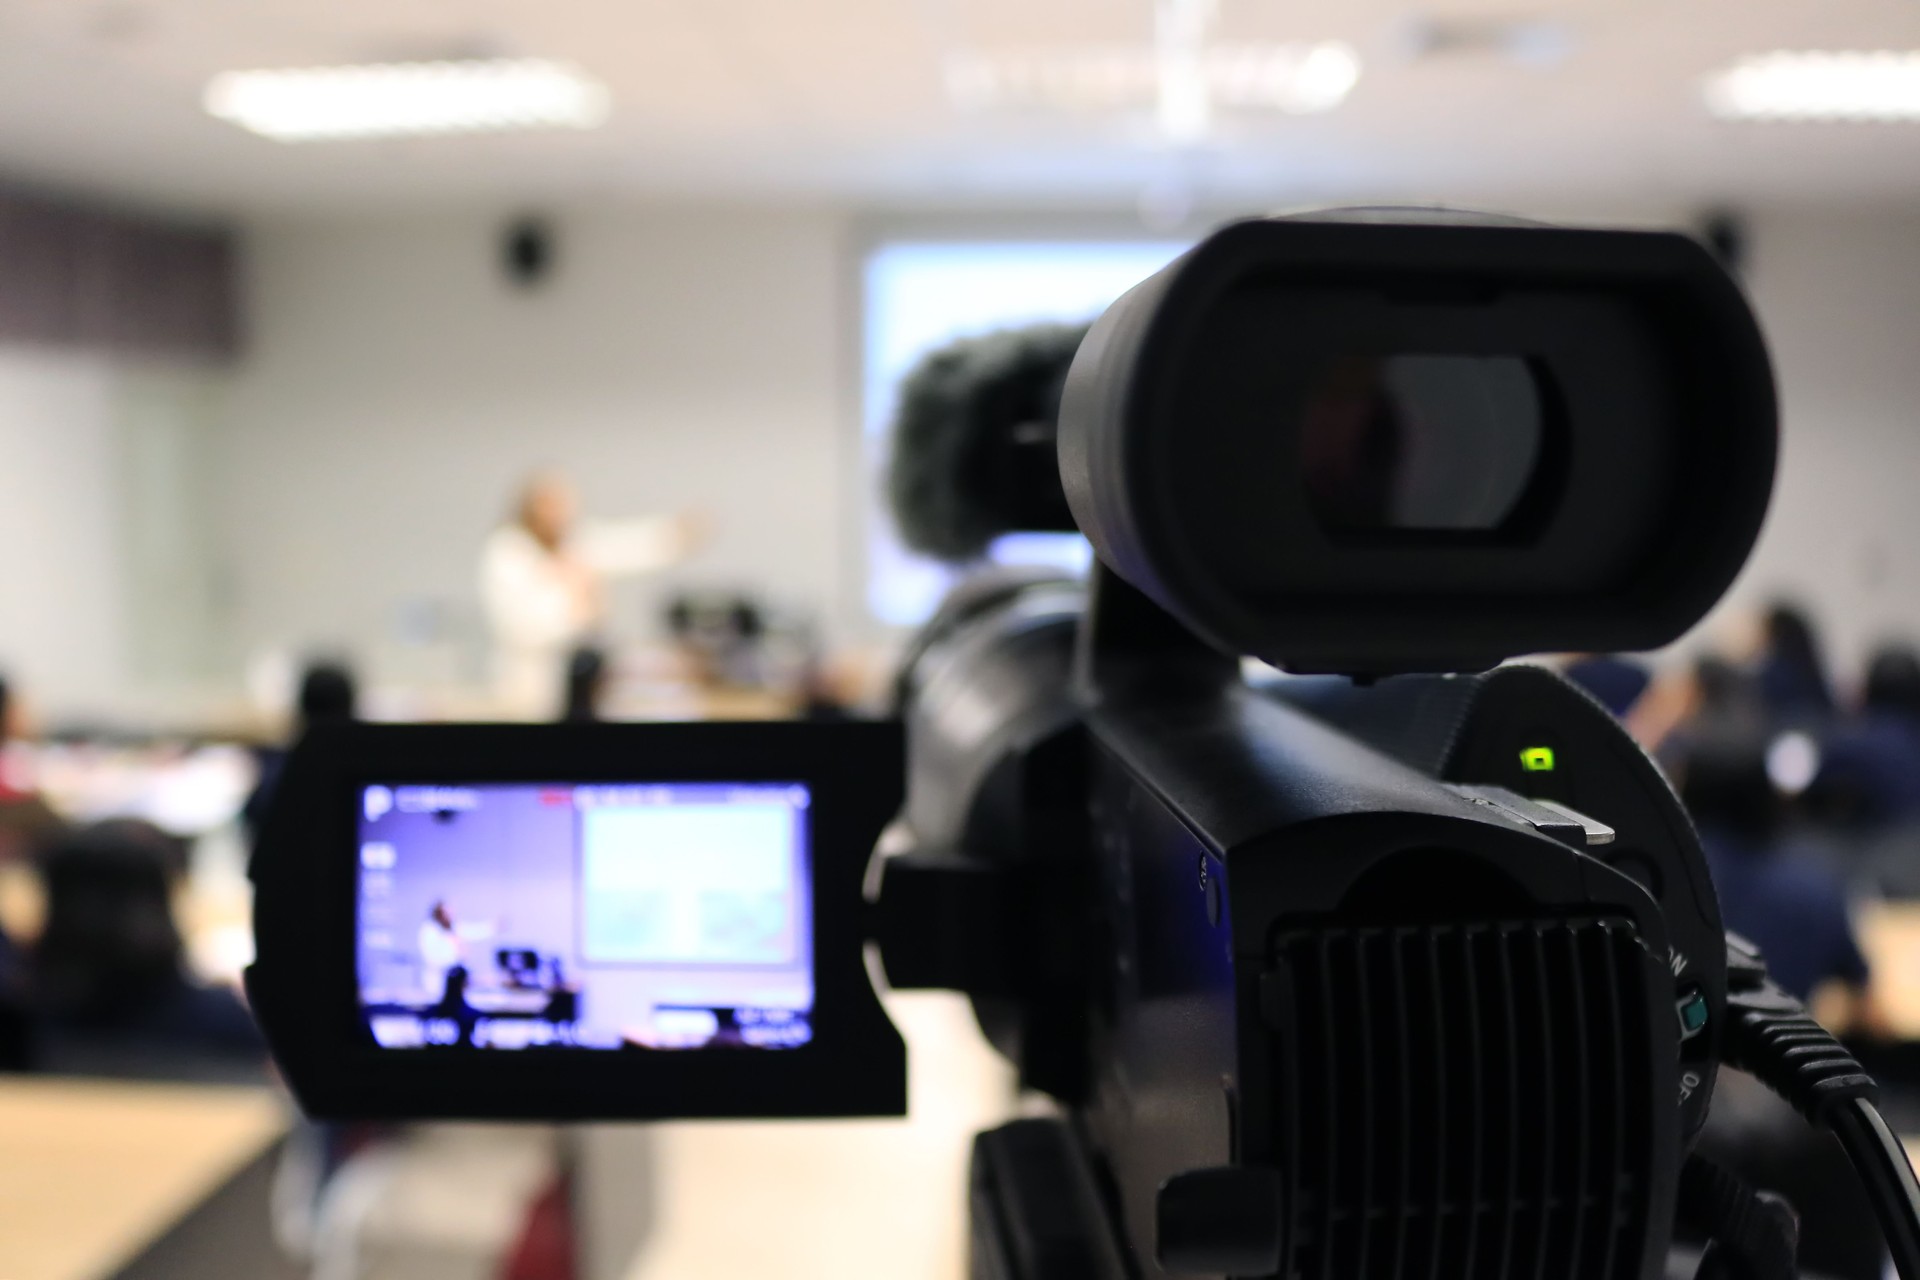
{"x":1818,"y":86}
{"x":1284,"y":77}
{"x":397,"y":99}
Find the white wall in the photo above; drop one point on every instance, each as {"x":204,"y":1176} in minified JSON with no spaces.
{"x":1839,"y":297}
{"x":62,"y":625}
{"x":396,"y":387}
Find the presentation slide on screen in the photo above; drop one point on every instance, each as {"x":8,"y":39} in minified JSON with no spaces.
{"x":596,"y":916}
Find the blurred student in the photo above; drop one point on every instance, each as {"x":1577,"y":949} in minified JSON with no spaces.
{"x":1892,"y":688}
{"x":26,"y":820}
{"x":27,"y":825}
{"x":328,"y":695}
{"x":586,"y":686}
{"x":1792,"y":906}
{"x":16,"y":1028}
{"x":1616,"y":683}
{"x":1711,"y":698}
{"x":1790,"y":669}
{"x":1790,"y":902}
{"x":831,"y":690}
{"x":108,"y":981}
{"x":542,"y":585}
{"x":1870,"y":766}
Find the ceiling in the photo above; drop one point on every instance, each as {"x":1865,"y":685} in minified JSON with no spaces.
{"x":844,"y":101}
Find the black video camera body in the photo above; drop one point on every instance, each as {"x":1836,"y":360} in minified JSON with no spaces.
{"x":1387,"y":970}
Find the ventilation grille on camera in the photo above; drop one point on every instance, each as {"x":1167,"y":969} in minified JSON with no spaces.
{"x":1470,"y":1100}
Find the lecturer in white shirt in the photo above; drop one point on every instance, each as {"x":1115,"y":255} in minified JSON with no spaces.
{"x":541,"y":584}
{"x":440,"y":951}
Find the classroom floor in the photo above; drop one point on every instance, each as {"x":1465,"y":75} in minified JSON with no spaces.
{"x":813,"y":1200}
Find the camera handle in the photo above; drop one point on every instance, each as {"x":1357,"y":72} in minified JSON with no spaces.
{"x":944,"y":922}
{"x":1128,"y":639}
{"x":1035,"y":1208}
{"x":1750,"y":1235}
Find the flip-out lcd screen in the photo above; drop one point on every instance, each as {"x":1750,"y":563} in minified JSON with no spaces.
{"x":585,"y":916}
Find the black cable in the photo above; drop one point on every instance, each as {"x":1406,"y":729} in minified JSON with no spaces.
{"x":1773,"y":1039}
{"x":1880,"y":1159}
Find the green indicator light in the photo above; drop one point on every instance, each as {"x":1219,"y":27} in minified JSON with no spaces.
{"x":1537,"y":759}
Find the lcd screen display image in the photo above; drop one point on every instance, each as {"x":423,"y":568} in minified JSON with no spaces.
{"x":590,"y":916}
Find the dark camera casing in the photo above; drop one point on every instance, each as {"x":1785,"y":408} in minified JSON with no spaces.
{"x":303,"y":985}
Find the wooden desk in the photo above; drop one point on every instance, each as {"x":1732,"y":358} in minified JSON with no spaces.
{"x":93,"y":1171}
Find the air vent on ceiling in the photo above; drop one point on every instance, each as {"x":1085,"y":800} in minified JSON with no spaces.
{"x":1528,"y":41}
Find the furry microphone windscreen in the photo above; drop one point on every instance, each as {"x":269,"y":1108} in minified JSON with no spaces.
{"x":973,"y":441}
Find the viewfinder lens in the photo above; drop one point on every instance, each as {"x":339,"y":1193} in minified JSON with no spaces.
{"x":1422,"y":443}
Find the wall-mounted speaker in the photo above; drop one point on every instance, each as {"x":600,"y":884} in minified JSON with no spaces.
{"x":1725,"y":232}
{"x":527,"y":251}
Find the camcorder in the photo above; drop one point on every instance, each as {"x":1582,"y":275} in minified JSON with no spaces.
{"x":1372,"y":957}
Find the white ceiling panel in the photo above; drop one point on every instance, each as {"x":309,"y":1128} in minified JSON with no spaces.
{"x":1561,"y":101}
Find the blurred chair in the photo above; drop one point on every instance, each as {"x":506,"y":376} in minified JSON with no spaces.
{"x":446,"y":1202}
